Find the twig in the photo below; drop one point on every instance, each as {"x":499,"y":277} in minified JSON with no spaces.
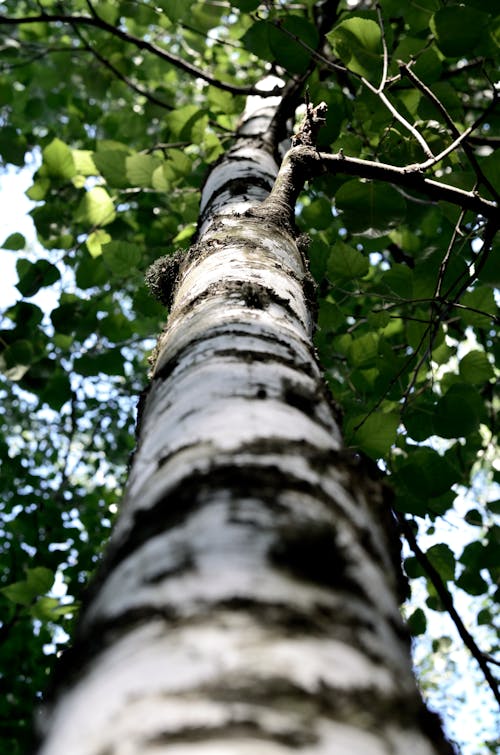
{"x":397,"y":115}
{"x":450,"y":148}
{"x":407,"y":71}
{"x":446,"y":258}
{"x":119,"y":75}
{"x":385,"y":64}
{"x":447,"y":601}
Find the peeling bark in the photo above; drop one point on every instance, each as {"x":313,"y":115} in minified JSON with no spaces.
{"x":248,"y":599}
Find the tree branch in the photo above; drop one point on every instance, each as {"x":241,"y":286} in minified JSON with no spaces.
{"x":407,"y":71}
{"x":302,"y":163}
{"x":119,"y":75}
{"x":447,"y":601}
{"x":141,"y":44}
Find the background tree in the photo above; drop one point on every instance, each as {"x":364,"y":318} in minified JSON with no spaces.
{"x":406,"y":265}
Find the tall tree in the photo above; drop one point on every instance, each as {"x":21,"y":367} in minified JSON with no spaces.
{"x":248,"y":597}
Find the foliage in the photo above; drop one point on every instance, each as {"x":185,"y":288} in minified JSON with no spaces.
{"x":125,"y":106}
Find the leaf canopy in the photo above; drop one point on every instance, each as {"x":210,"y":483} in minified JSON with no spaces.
{"x":122,"y":130}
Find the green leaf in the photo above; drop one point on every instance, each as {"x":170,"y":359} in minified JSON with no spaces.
{"x":472,"y":583}
{"x":247,"y":6}
{"x":346,"y":263}
{"x":494,"y":506}
{"x":18,"y":353}
{"x":96,"y":207}
{"x":364,"y":350}
{"x":474,"y":518}
{"x":96,"y":240}
{"x":176,"y":10}
{"x":419,"y":419}
{"x":108,"y":11}
{"x":256,"y":40}
{"x":417,"y":622}
{"x":458,"y":412}
{"x":399,"y":280}
{"x":140,"y":169}
{"x":484,"y":617}
{"x":91,"y":272}
{"x":84,"y":163}
{"x":182,"y":120}
{"x":358,"y":43}
{"x":111,"y":164}
{"x":35,"y":275}
{"x":413,"y":568}
{"x":378,"y":320}
{"x":443,"y":560}
{"x":38,"y":190}
{"x":459,"y":29}
{"x":376,"y":435}
{"x":38,"y":581}
{"x":51,"y":609}
{"x":121,"y":257}
{"x":106,"y":363}
{"x":56,"y":390}
{"x":424,"y":473}
{"x":317,"y":214}
{"x":287,"y":51}
{"x":370,"y":208}
{"x":14,"y":242}
{"x":490,"y":272}
{"x":482,"y":300}
{"x":475,"y":367}
{"x":58,"y":160}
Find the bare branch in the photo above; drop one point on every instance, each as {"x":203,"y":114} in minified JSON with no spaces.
{"x":412,"y":178}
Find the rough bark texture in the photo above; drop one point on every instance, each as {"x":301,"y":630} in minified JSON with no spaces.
{"x":248,"y":601}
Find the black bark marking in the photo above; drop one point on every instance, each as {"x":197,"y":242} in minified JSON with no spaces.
{"x":238,"y":187}
{"x":244,"y":353}
{"x":311,"y":552}
{"x":302,"y":396}
{"x":185,"y":563}
{"x":236,"y":729}
{"x":255,"y":296}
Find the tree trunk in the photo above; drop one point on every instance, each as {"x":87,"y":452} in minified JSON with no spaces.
{"x":248,"y":600}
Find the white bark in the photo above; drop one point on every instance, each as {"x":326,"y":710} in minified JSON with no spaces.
{"x":248,"y":599}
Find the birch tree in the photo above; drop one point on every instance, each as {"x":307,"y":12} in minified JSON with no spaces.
{"x":248,"y":597}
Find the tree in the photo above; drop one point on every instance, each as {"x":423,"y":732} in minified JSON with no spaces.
{"x":252,"y":577}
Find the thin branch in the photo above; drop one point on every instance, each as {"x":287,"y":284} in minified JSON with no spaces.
{"x":119,"y":75}
{"x":397,"y":115}
{"x":447,"y":602}
{"x":407,"y":71}
{"x":385,"y":64}
{"x":446,"y":258}
{"x":485,"y":141}
{"x":489,"y":235}
{"x":140,"y":44}
{"x":450,"y":148}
